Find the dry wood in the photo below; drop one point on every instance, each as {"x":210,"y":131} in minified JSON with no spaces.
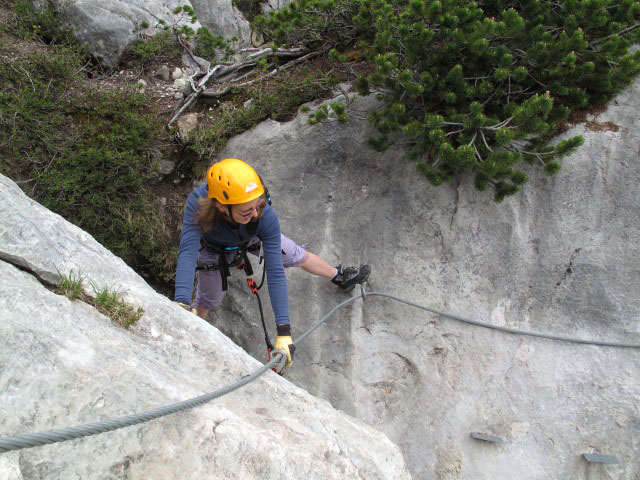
{"x":235,"y":72}
{"x":274,"y":72}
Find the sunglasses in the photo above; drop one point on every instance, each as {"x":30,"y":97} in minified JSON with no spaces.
{"x":260,"y":204}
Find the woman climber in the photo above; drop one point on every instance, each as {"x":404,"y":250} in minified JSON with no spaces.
{"x":227,"y":217}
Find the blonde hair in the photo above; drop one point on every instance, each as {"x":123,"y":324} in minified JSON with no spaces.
{"x":207,"y":214}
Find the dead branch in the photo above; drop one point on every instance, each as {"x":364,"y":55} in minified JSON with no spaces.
{"x":227,"y":72}
{"x":194,"y":96}
{"x":202,"y":64}
{"x":226,"y":90}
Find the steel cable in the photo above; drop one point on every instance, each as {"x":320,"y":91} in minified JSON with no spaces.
{"x":63,"y":434}
{"x":502,"y":329}
{"x":60,"y":435}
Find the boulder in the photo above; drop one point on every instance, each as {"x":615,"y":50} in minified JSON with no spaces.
{"x":177,"y":73}
{"x":271,"y":5}
{"x":64,"y":364}
{"x":560,"y":257}
{"x":179,"y":83}
{"x":109,"y":26}
{"x":224,"y":19}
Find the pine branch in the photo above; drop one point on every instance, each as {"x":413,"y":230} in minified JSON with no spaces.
{"x":485,"y":141}
{"x":480,"y":159}
{"x":621,"y":32}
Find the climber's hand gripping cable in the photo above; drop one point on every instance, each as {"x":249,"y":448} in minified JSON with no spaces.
{"x":285,"y":346}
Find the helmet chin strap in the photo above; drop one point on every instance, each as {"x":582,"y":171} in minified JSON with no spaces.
{"x":228,"y":216}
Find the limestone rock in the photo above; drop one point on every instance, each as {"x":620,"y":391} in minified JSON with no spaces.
{"x":166,"y":166}
{"x":163,"y":73}
{"x":257,"y":38}
{"x":186,"y":89}
{"x":274,"y":5}
{"x":179,"y":83}
{"x":186,"y":124}
{"x":177,"y":73}
{"x":200,"y":65}
{"x":223,"y":19}
{"x":64,"y":364}
{"x":560,"y":257}
{"x":109,"y":26}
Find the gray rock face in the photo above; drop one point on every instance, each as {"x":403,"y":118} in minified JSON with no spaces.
{"x":274,"y":5}
{"x":561,"y":257}
{"x":109,"y":26}
{"x":222,"y":18}
{"x":65,"y":364}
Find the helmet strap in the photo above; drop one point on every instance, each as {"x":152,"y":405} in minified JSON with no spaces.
{"x":229,"y":214}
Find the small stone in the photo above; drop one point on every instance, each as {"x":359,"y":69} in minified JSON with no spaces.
{"x":163,"y":201}
{"x":163,"y":73}
{"x":247,"y":103}
{"x":177,"y":73}
{"x":186,"y":125}
{"x":256,"y":39}
{"x":178,"y":95}
{"x":179,"y":83}
{"x":166,"y":166}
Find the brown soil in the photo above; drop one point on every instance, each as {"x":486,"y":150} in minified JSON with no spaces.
{"x":580,"y":117}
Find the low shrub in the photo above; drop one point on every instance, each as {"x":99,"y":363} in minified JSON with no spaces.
{"x":474,"y":87}
{"x":84,"y":153}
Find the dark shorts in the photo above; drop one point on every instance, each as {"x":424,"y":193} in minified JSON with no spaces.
{"x":209,"y":293}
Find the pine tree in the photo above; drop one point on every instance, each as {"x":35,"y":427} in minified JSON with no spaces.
{"x":475,"y":87}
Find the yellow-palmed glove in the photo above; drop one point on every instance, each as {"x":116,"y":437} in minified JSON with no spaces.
{"x":285,"y":344}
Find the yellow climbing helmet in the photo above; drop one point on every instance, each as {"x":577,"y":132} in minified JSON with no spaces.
{"x":233,"y":181}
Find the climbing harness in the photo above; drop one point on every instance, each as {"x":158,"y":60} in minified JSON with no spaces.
{"x":241,"y":261}
{"x":223,"y":264}
{"x":60,"y":435}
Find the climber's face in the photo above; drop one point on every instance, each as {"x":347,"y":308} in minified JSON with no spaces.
{"x":245,"y":212}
